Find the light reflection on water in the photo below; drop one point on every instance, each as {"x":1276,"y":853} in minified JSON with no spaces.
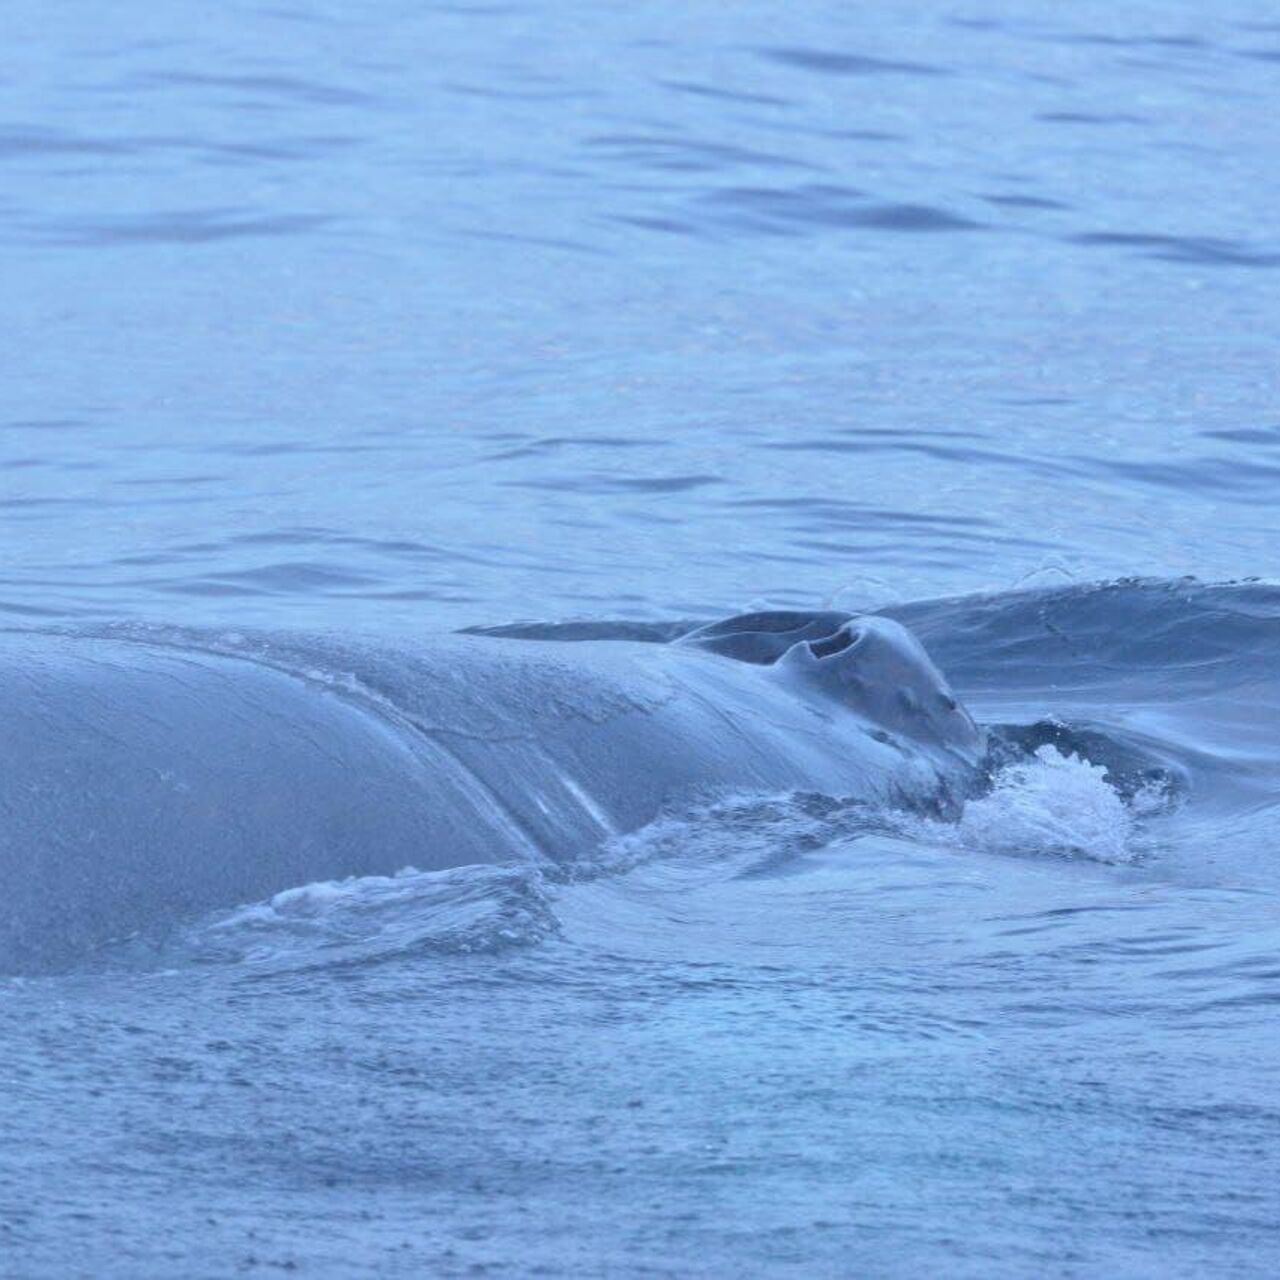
{"x":397,"y":312}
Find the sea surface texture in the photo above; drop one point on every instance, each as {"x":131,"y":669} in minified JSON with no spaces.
{"x":386,"y":319}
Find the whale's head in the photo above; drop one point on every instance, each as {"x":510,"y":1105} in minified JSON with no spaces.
{"x":878,"y":669}
{"x":869,"y":665}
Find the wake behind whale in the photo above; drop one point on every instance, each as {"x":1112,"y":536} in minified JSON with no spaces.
{"x":149,"y":776}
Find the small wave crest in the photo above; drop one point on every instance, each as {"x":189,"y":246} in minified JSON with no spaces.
{"x":742,"y":834}
{"x":462,"y":911}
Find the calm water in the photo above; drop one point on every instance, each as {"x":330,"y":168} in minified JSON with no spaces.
{"x":395,"y":318}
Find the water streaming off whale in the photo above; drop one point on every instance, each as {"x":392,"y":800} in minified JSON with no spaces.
{"x":644,"y":347}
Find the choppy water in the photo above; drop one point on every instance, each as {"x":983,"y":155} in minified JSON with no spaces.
{"x":398,"y":318}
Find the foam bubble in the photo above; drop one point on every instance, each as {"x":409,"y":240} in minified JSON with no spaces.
{"x":1048,"y":803}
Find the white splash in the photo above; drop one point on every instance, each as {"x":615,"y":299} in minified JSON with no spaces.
{"x":1047,"y":804}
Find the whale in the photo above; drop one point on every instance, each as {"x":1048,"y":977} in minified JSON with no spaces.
{"x":151,"y":774}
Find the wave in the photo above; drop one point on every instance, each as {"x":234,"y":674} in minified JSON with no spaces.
{"x":1132,"y":639}
{"x":472,"y":910}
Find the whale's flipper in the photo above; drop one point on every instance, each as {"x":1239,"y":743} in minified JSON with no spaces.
{"x":763,"y":638}
{"x":876,"y":667}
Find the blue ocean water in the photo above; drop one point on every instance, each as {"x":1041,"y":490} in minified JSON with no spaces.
{"x":392,"y":319}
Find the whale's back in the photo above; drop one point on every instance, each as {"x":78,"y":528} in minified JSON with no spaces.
{"x":146,"y":779}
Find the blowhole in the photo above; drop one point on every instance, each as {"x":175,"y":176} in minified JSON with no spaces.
{"x":838,"y":643}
